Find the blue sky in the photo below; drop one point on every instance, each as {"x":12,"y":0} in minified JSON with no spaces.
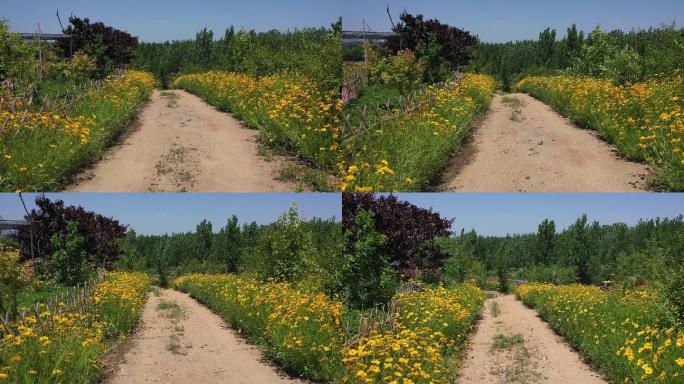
{"x":157,"y":213}
{"x":500,"y":214}
{"x":505,"y":20}
{"x":157,"y":20}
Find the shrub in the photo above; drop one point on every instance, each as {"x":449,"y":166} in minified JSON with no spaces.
{"x":101,"y":234}
{"x":69,"y":263}
{"x":410,"y":230}
{"x":412,"y":31}
{"x":368,"y":279}
{"x":401,"y":71}
{"x":13,"y":276}
{"x":78,"y":69}
{"x":109,"y":46}
{"x":17,"y":61}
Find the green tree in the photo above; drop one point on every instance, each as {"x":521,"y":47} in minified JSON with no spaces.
{"x":17,"y":59}
{"x":502,"y":271}
{"x":69,"y":264}
{"x":204,"y":237}
{"x":131,"y":259}
{"x":227,"y":247}
{"x":367,"y":278}
{"x":285,"y":249}
{"x":401,"y":71}
{"x":437,"y":68}
{"x":161,"y":261}
{"x":203,"y":47}
{"x":573,"y":44}
{"x":547,"y":46}
{"x":11,"y":279}
{"x":578,"y":252}
{"x":546,"y":233}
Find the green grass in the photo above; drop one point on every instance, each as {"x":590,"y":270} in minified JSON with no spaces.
{"x":171,"y":98}
{"x":372,"y":96}
{"x":495,"y":311}
{"x":170,"y":309}
{"x":40,"y":293}
{"x":516,"y":107}
{"x":507,"y":342}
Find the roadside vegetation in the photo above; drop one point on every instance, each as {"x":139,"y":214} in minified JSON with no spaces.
{"x":629,"y":335}
{"x":408,"y":106}
{"x":62,"y":106}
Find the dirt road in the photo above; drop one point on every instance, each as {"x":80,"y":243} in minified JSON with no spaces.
{"x":523,"y":145}
{"x":181,"y":341}
{"x":512,"y":345}
{"x":180,"y":143}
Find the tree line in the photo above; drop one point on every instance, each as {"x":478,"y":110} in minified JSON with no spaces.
{"x":69,"y":242}
{"x":650,"y":253}
{"x":314,"y":52}
{"x":290,"y":249}
{"x":621,"y":56}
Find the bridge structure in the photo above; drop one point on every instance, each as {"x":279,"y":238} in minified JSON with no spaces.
{"x":48,"y":37}
{"x":358,"y":37}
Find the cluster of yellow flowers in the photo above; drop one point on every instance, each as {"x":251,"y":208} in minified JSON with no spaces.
{"x":78,"y":127}
{"x":12,"y":271}
{"x":404,"y":150}
{"x":61,"y":345}
{"x":645,"y":120}
{"x":125,"y":90}
{"x":631,"y":336}
{"x":302,"y":330}
{"x":429,"y":326}
{"x":39,"y":149}
{"x":286,"y":108}
{"x":120,"y":299}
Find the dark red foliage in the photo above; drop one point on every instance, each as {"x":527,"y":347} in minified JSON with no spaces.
{"x":412,"y":30}
{"x":100,"y":233}
{"x":409,"y":230}
{"x":84,"y":34}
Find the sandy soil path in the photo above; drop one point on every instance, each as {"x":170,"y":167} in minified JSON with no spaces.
{"x":194,"y":347}
{"x":538,"y":151}
{"x":183,"y":144}
{"x":541,"y":356}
